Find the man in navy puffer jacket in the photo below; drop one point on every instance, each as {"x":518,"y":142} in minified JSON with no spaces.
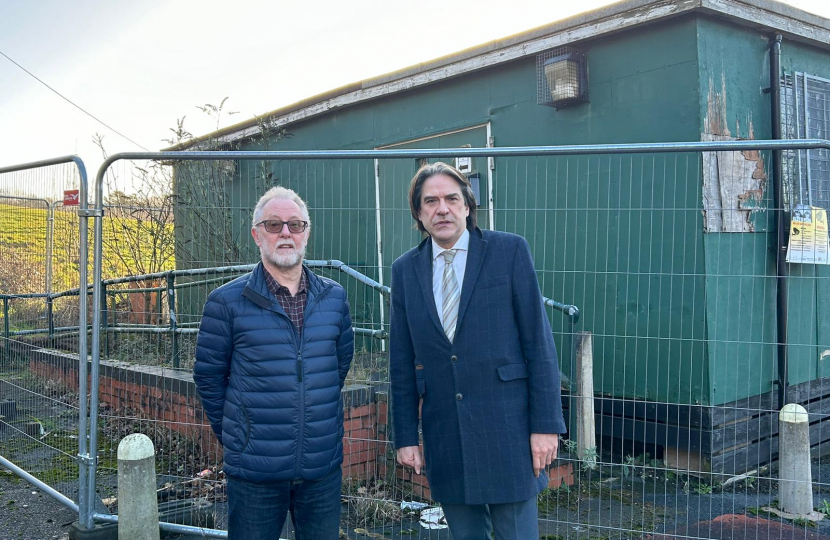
{"x":272,"y":355}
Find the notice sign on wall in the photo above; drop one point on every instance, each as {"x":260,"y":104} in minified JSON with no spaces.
{"x":464,"y":164}
{"x":71,"y":197}
{"x":808,"y":236}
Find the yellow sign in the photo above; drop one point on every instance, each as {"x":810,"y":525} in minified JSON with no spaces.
{"x":808,"y":236}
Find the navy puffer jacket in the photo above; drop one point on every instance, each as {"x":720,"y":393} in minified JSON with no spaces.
{"x":271,"y":396}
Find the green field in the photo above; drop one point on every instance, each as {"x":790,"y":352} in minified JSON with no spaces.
{"x":130,"y":246}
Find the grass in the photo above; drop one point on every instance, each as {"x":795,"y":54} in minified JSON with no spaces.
{"x":130,"y":246}
{"x":23,"y":234}
{"x":23,"y":238}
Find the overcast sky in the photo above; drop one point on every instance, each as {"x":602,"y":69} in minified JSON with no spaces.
{"x":140,"y":65}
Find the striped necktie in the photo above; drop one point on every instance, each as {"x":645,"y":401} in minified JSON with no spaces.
{"x":451,"y":293}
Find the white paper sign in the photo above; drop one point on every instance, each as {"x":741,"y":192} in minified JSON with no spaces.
{"x":464,"y":164}
{"x":808,"y":236}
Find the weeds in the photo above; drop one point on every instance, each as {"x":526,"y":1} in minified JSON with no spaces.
{"x":569,"y":445}
{"x":590,"y":456}
{"x":703,"y":488}
{"x":806,"y":523}
{"x":370,"y":504}
{"x":628,"y":466}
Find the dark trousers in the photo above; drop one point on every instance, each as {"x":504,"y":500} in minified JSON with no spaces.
{"x":258,"y":511}
{"x":510,"y":521}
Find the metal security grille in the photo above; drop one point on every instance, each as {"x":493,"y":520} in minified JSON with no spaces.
{"x":561,"y":77}
{"x":806,"y":114}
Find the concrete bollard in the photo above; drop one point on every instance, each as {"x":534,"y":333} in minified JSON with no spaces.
{"x":138,"y":515}
{"x":795,"y":487}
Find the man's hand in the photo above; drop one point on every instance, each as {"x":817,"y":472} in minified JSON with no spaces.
{"x":543,"y":447}
{"x":410,"y":456}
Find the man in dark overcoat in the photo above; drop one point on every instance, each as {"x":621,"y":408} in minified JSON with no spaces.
{"x":471,"y":346}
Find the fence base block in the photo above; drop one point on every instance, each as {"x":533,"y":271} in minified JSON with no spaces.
{"x":106,"y":531}
{"x":194,"y":512}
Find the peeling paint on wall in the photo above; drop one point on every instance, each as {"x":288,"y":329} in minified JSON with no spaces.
{"x":715,"y":121}
{"x":733,"y":187}
{"x":733,"y":182}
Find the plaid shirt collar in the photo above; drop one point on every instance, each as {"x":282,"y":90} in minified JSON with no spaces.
{"x":281,"y":290}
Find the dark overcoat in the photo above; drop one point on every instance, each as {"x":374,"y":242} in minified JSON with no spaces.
{"x":485,"y":393}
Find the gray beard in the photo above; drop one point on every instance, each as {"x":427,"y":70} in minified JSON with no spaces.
{"x":285,"y":260}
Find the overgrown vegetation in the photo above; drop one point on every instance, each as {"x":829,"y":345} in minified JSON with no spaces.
{"x":177,"y":454}
{"x":371,"y":504}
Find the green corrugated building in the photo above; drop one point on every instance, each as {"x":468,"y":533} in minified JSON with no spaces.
{"x":670,"y":257}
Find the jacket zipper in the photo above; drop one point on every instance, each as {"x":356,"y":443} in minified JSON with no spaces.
{"x":301,"y":411}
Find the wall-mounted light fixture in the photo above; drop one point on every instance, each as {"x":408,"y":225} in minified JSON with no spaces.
{"x":561,"y":77}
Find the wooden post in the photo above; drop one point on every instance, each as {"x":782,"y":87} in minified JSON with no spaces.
{"x":586,"y":440}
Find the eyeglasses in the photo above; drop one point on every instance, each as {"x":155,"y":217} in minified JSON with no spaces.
{"x":275,"y":225}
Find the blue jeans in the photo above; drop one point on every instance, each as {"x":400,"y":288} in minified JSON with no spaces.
{"x":258,"y":511}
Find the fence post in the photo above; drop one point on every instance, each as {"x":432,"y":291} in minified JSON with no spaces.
{"x":50,"y":243}
{"x":105,"y":319}
{"x":114,"y":337}
{"x":586,"y":440}
{"x":171,"y":305}
{"x":572,"y":389}
{"x":50,"y":319}
{"x":157,"y":322}
{"x":6,"y":332}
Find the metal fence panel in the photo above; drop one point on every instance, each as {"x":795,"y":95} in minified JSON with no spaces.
{"x":671,"y":265}
{"x":42,"y":415}
{"x":621,"y":235}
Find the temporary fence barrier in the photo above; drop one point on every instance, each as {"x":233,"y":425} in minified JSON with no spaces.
{"x":43,"y":428}
{"x":673,"y":271}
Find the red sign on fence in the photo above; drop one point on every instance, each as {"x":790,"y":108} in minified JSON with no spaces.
{"x":71,"y":197}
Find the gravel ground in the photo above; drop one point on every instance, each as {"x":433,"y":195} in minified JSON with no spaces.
{"x":26,"y":513}
{"x":599,"y":507}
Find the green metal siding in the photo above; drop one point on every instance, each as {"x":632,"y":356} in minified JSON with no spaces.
{"x":740,"y":267}
{"x":621,"y":237}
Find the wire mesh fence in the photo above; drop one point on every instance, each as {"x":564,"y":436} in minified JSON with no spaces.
{"x":669,"y":256}
{"x":39,"y":241}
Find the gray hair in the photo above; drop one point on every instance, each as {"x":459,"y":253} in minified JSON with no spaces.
{"x":280,"y":192}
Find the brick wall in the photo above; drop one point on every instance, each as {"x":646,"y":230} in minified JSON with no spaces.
{"x":169,"y":397}
{"x":360,"y":433}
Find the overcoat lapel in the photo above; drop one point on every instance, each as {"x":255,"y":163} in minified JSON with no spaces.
{"x":475,"y":260}
{"x":423,"y":269}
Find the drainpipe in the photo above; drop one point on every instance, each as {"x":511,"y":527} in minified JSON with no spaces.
{"x":780,"y":225}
